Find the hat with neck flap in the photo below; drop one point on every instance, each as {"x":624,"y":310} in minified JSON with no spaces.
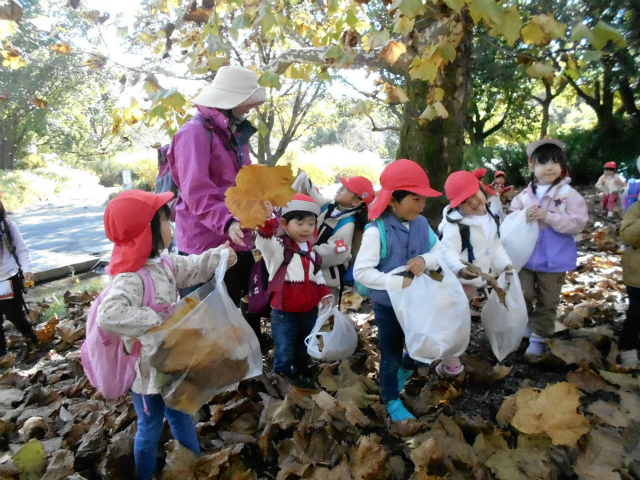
{"x":232,"y":87}
{"x":127,"y":223}
{"x":402,"y":174}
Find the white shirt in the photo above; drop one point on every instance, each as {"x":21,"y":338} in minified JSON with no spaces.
{"x":8,"y":265}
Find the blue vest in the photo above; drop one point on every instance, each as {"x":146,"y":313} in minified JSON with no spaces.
{"x":402,"y":244}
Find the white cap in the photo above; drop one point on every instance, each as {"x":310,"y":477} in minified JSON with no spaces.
{"x":533,"y":146}
{"x":232,"y":87}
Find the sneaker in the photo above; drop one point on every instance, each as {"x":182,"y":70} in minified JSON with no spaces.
{"x":629,"y":358}
{"x":398,"y":412}
{"x":403,"y":376}
{"x":450,"y":367}
{"x":536,"y":346}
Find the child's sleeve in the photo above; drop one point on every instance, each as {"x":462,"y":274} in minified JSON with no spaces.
{"x":630,"y":227}
{"x":304,"y":185}
{"x":500,"y":259}
{"x":364,"y":268}
{"x":122,"y":312}
{"x":517,"y":203}
{"x":600,"y":183}
{"x":337,"y":250}
{"x":574,"y":218}
{"x":451,"y":245}
{"x":22,"y":251}
{"x":194,"y":269}
{"x":433,"y":258}
{"x":270,"y":246}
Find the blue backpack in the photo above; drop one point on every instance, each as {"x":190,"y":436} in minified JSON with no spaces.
{"x":631,"y":194}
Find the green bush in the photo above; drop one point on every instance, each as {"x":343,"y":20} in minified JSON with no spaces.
{"x":143,"y":166}
{"x":24,"y":187}
{"x":31,"y":162}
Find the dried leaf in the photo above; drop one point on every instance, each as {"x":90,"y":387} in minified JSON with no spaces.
{"x":435,"y":275}
{"x":392,"y":52}
{"x":552,"y":411}
{"x":38,"y":102}
{"x":198,"y":16}
{"x":46,"y":333}
{"x":254,"y":185}
{"x":61,"y":48}
{"x":351,"y":300}
{"x":31,"y":460}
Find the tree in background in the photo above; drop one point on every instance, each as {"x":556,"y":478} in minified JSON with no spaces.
{"x":51,"y":100}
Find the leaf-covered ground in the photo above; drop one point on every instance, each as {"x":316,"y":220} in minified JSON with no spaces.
{"x":572,"y":415}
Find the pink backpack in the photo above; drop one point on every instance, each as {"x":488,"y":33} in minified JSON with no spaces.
{"x":107,"y":365}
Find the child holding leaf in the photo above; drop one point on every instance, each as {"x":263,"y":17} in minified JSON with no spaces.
{"x":340,"y":225}
{"x":298,"y":286}
{"x":138,"y":224}
{"x":409,"y":241}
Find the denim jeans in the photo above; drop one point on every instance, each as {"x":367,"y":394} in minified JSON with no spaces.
{"x":391,"y":345}
{"x":145,"y":447}
{"x":289,"y":329}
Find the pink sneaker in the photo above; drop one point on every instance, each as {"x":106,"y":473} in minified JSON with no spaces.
{"x":450,"y":367}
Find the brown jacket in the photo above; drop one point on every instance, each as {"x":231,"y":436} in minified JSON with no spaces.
{"x":630,"y":233}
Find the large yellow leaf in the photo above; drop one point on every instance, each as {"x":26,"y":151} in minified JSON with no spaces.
{"x":603,"y":33}
{"x":541,"y":70}
{"x":11,"y":58}
{"x":394,"y":94}
{"x":533,"y":34}
{"x":552,"y":411}
{"x":254,"y":185}
{"x":392,"y":52}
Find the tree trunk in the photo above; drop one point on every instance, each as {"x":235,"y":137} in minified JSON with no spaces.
{"x":7,"y":145}
{"x":437,"y":145}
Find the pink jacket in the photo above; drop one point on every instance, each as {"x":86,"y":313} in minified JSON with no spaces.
{"x":203,"y":169}
{"x":567,"y":215}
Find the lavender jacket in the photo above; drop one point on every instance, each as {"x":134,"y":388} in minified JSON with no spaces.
{"x":567,"y":215}
{"x":203,"y":169}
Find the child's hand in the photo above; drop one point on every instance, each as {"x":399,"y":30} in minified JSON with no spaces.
{"x":531,"y":211}
{"x":416,"y":265}
{"x":268,"y":206}
{"x":328,"y":301}
{"x":406,"y":282}
{"x":232,"y":254}
{"x":508,"y":270}
{"x":28,"y":277}
{"x":466,"y":274}
{"x":540,"y":214}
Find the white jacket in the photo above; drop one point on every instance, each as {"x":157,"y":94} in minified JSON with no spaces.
{"x":490,"y":255}
{"x":8,"y":265}
{"x":613,"y":184}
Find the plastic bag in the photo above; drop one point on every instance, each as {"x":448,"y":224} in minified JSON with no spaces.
{"x":333,"y":337}
{"x":434,"y":316}
{"x":206,"y":352}
{"x":519,"y":237}
{"x":505,"y":326}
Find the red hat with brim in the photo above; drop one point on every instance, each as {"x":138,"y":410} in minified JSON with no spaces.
{"x":488,"y":190}
{"x":127,"y":223}
{"x":479,"y":173}
{"x":400,"y":175}
{"x":498,"y":174}
{"x":611,"y":165}
{"x":361,"y":186}
{"x":460,"y":186}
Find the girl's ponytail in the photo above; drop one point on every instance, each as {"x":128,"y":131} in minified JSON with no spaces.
{"x":532,"y":178}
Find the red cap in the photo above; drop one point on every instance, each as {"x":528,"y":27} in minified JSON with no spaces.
{"x":400,"y":175}
{"x":498,"y":173}
{"x":611,"y":165}
{"x":460,"y":186}
{"x":361,"y":186}
{"x":479,"y":173}
{"x":127,"y":223}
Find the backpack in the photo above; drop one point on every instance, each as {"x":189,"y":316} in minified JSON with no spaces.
{"x":465,"y":236}
{"x":631,"y":194}
{"x":362,"y":290}
{"x":326,"y":231}
{"x":108,"y":367}
{"x":260,"y":290}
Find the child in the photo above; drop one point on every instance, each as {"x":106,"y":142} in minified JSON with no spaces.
{"x":610,"y":183}
{"x":298,"y":287}
{"x":492,"y":197}
{"x":561,"y":213}
{"x":630,"y":333}
{"x":138,"y":224}
{"x":14,"y":263}
{"x":340,"y":226}
{"x":471,"y":232}
{"x":410,"y":242}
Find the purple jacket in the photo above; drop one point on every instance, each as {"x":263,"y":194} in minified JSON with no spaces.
{"x":567,"y":215}
{"x":203,"y":169}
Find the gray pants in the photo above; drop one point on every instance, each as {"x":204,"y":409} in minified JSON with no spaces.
{"x":542,"y":294}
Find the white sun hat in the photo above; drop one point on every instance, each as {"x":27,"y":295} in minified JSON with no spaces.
{"x":533,"y":146}
{"x":232,"y":87}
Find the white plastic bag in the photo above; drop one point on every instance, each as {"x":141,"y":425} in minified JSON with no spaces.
{"x":434,"y":316}
{"x":337,"y":344}
{"x":208,"y":351}
{"x":505,"y":326}
{"x":519,"y":237}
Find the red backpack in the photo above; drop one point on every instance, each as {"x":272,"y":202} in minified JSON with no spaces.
{"x":107,"y":365}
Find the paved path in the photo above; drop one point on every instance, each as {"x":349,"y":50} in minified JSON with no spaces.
{"x":66,"y":231}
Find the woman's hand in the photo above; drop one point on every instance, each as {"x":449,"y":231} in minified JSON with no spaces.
{"x":232,"y":254}
{"x":416,"y":265}
{"x":236,"y":234}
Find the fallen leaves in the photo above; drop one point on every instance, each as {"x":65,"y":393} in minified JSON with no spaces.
{"x":552,"y":411}
{"x":254,"y":185}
